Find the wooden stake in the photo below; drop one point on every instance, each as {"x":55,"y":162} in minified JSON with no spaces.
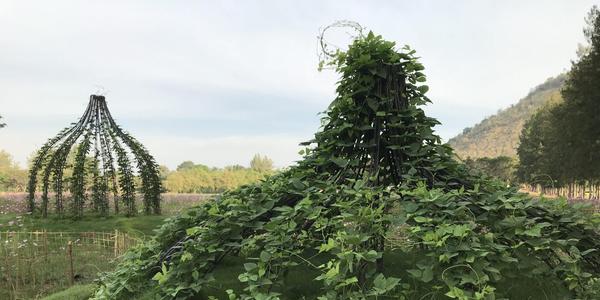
{"x":70,"y":254}
{"x":116,"y":241}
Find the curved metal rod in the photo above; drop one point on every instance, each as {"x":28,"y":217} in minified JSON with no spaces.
{"x":146,"y":164}
{"x":41,"y":155}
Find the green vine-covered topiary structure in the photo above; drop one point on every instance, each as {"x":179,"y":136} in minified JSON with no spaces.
{"x":101,"y":166}
{"x":377,"y":209}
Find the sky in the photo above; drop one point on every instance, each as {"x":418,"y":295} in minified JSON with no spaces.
{"x":216,"y":82}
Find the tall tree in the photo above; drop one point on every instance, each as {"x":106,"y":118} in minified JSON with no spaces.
{"x":261,"y":163}
{"x":12,"y":177}
{"x":582,"y":104}
{"x":561,"y":144}
{"x":188,"y":164}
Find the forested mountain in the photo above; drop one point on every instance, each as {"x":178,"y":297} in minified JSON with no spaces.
{"x":498,"y":135}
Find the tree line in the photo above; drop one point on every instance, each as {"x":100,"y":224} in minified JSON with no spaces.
{"x":198,"y":178}
{"x":560,"y":144}
{"x":188,"y":177}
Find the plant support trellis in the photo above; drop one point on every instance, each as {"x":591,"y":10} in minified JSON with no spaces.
{"x":95,"y":158}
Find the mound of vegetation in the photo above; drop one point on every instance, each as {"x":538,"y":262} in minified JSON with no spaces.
{"x":377,"y":208}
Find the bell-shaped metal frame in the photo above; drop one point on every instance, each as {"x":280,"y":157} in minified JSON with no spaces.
{"x":103,"y":166}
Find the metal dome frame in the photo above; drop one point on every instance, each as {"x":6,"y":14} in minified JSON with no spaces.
{"x":109,"y":170}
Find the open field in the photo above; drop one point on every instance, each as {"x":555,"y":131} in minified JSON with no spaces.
{"x":172,"y":203}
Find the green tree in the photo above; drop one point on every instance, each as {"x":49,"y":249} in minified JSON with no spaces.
{"x":501,"y":167}
{"x":561,"y":143}
{"x":163,"y":172}
{"x":261,"y":163}
{"x":582,"y":105}
{"x":188,"y":164}
{"x":199,"y":178}
{"x":12,"y":177}
{"x":2,"y":124}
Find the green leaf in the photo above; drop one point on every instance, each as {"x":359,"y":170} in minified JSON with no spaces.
{"x":415,"y":273}
{"x":420,"y":219}
{"x":427,"y":275}
{"x":326,"y":247}
{"x":265,"y":256}
{"x":297,"y":184}
{"x":423,"y":89}
{"x":250,"y":266}
{"x":186,"y":256}
{"x":340,"y":161}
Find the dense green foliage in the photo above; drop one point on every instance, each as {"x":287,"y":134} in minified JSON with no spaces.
{"x":97,"y":133}
{"x":498,"y":135}
{"x":374,"y":174}
{"x":561,"y":142}
{"x":198,"y":178}
{"x":501,"y":167}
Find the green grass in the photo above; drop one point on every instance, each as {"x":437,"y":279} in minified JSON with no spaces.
{"x":76,"y":292}
{"x":25,"y":274}
{"x":140,"y":225}
{"x":28,"y":275}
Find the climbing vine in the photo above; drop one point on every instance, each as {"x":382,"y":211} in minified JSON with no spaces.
{"x":94,"y":144}
{"x":375,"y":187}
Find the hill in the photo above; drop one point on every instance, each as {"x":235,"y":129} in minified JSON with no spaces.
{"x":498,"y":135}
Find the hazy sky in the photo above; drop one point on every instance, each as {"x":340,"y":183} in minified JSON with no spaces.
{"x":218,"y":81}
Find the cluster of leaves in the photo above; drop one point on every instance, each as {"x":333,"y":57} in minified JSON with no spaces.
{"x":95,"y":132}
{"x":560,"y":145}
{"x":374,"y":169}
{"x":198,"y":178}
